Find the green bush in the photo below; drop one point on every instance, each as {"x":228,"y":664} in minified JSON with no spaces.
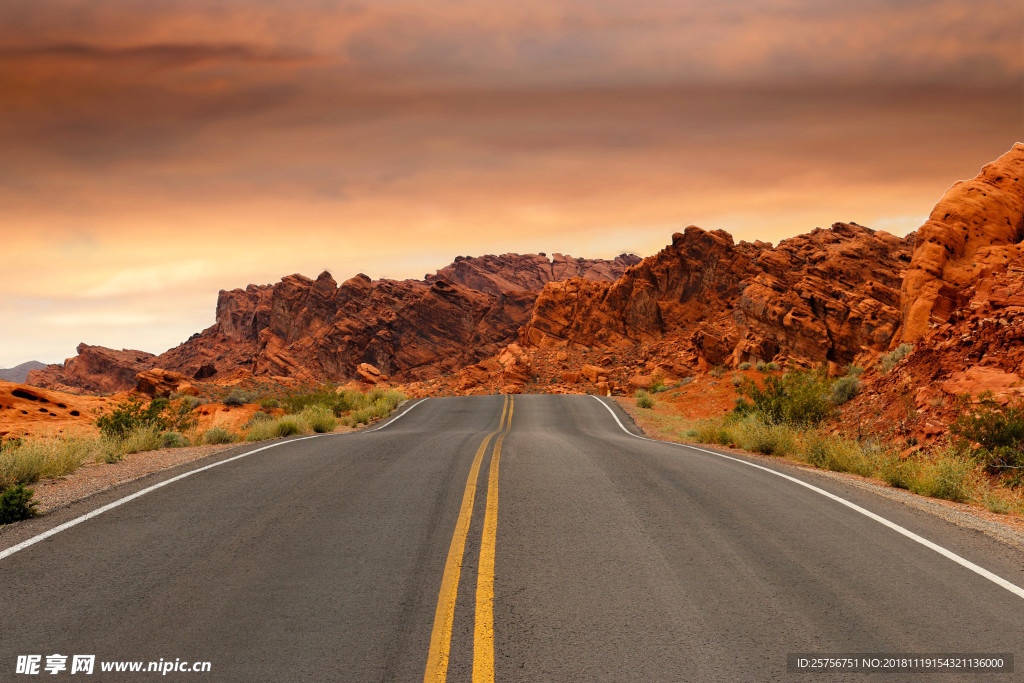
{"x":743,"y":366}
{"x":16,"y":504}
{"x":286,"y":426}
{"x":761,"y":366}
{"x":192,"y":402}
{"x":270,"y":403}
{"x":218,"y":435}
{"x":901,"y":473}
{"x":844,"y":389}
{"x":142,"y":439}
{"x":319,"y":418}
{"x":643,"y":399}
{"x":837,"y":454}
{"x":29,"y":460}
{"x":889,"y":360}
{"x":173,"y":440}
{"x":130,"y":415}
{"x":238,"y":397}
{"x":997,"y":430}
{"x":949,"y":477}
{"x":714,"y":432}
{"x":796,"y":398}
{"x":752,"y":434}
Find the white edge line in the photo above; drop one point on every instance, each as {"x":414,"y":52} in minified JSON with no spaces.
{"x":981,"y":571}
{"x":7,"y":552}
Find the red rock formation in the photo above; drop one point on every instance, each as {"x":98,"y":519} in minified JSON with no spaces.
{"x":528,"y":272}
{"x":316,"y":330}
{"x":159,"y":382}
{"x":827,"y":295}
{"x":975,"y":230}
{"x":95,"y":368}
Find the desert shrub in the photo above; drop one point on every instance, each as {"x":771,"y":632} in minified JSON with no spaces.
{"x":192,"y":402}
{"x":238,"y":397}
{"x":270,"y":403}
{"x":761,"y":366}
{"x":737,"y":379}
{"x":257,"y":417}
{"x":948,"y":476}
{"x":218,"y":435}
{"x":173,"y":440}
{"x":889,"y":360}
{"x":319,"y":418}
{"x":658,"y":385}
{"x":286,"y":426}
{"x":752,"y":434}
{"x":31,"y":459}
{"x":643,"y":399}
{"x":796,"y":398}
{"x":713,"y":431}
{"x":997,"y":501}
{"x":129,"y":415}
{"x":993,"y":433}
{"x":743,"y":366}
{"x":844,"y":389}
{"x":16,"y":504}
{"x":772,"y":366}
{"x":898,"y":472}
{"x":717,"y":371}
{"x":260,"y":431}
{"x":142,"y":439}
{"x":684,"y":381}
{"x":837,"y":454}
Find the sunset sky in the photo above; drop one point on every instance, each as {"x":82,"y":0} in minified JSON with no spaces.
{"x":154,"y":152}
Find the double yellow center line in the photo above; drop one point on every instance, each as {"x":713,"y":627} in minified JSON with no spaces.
{"x":483,"y":632}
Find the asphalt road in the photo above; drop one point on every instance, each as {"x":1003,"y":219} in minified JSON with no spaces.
{"x":588,"y":554}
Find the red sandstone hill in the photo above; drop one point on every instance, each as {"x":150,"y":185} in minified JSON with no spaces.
{"x":827,"y":296}
{"x":316,"y":330}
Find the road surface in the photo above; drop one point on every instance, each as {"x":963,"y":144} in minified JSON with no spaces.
{"x":526,"y":538}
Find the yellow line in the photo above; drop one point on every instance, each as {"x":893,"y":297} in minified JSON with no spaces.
{"x":441,"y":635}
{"x":483,"y":632}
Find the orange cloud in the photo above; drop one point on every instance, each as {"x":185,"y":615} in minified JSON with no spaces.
{"x":157,"y":152}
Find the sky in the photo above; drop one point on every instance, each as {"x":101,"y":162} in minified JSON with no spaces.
{"x":154,"y":152}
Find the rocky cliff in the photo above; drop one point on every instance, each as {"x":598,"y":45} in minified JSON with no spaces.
{"x":316,"y":330}
{"x":829,"y":295}
{"x":95,"y":369}
{"x":974,"y":232}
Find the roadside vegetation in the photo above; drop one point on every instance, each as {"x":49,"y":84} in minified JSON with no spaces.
{"x":787,"y":416}
{"x":132,"y":426}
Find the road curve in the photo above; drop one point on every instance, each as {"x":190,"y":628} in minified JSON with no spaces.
{"x":589,"y":554}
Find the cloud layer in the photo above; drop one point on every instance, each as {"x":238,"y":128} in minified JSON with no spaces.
{"x":157,"y":152}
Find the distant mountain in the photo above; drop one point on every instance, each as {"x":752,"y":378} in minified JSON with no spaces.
{"x":20,"y":372}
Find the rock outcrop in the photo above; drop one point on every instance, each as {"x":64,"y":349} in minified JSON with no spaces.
{"x":95,"y":369}
{"x":974,"y":231}
{"x":528,"y":272}
{"x":158,"y":382}
{"x":829,"y":295}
